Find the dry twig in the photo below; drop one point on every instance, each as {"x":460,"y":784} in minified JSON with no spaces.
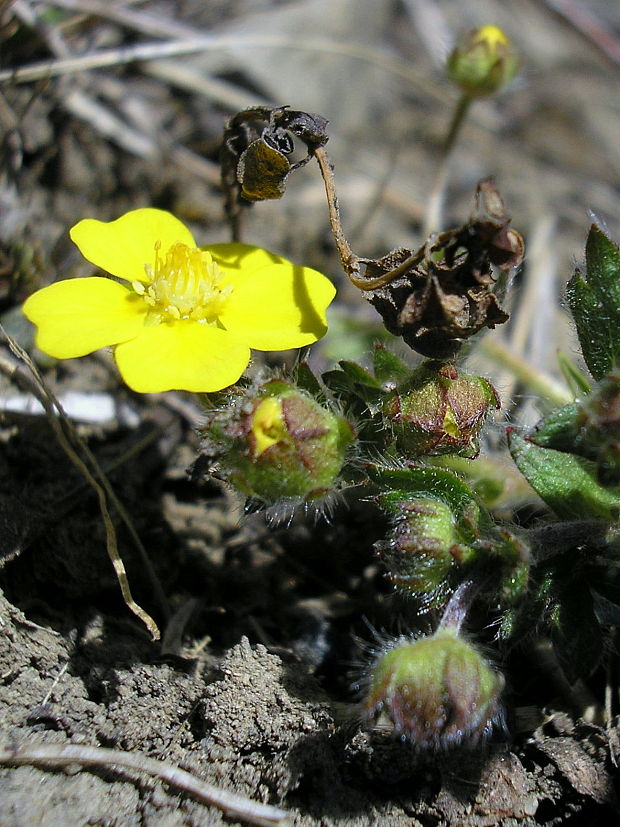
{"x":63,"y":755}
{"x":65,"y":433}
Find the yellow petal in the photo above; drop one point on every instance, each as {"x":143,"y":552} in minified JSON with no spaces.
{"x":278,"y":306}
{"x":77,"y":316}
{"x":183,"y":355}
{"x":243,"y":258}
{"x":123,"y":247}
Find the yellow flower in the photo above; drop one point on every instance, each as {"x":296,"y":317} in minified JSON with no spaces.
{"x":184,"y":317}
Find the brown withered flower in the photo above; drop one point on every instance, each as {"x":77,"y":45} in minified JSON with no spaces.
{"x":256,"y":153}
{"x":443,"y":293}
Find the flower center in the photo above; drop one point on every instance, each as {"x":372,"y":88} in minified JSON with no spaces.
{"x":186,"y":284}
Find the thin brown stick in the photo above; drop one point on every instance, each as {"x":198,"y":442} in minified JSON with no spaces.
{"x":59,"y":755}
{"x":205,"y":43}
{"x":350,"y":261}
{"x":65,"y":433}
{"x":386,"y":278}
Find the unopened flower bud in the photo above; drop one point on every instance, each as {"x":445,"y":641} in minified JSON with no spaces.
{"x":281,"y":445}
{"x":482,"y":62}
{"x":422,"y":547}
{"x":438,"y":691}
{"x":439,"y":411}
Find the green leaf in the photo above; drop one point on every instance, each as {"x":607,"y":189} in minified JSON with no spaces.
{"x":359,"y":375}
{"x":594,"y":302}
{"x":567,"y":483}
{"x":352,"y":382}
{"x":574,"y":378}
{"x":558,"y":429}
{"x":307,"y":381}
{"x":603,"y":269}
{"x":339,"y":383}
{"x":426,"y":481}
{"x":388,"y":367}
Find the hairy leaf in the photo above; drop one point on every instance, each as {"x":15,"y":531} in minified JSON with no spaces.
{"x":594,"y":301}
{"x":567,"y":483}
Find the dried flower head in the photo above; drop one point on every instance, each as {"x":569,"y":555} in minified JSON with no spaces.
{"x":445,"y":292}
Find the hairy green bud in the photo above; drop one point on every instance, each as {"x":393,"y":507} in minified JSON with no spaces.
{"x":438,"y":691}
{"x":279,"y":445}
{"x":482,"y":62}
{"x":422,"y":547}
{"x":439,"y":411}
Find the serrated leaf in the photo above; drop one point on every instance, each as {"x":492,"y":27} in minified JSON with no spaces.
{"x":594,"y":301}
{"x":424,"y":481}
{"x":388,"y":367}
{"x":593,"y":329}
{"x":567,"y":483}
{"x":353,"y":383}
{"x":603,"y":269}
{"x":338,"y":382}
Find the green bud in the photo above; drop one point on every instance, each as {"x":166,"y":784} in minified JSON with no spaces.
{"x":439,"y":411}
{"x":422,"y":547}
{"x":482,"y":62}
{"x":279,"y":445}
{"x":438,"y":691}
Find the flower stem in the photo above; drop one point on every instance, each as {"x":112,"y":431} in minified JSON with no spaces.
{"x":350,"y":261}
{"x":434,"y":213}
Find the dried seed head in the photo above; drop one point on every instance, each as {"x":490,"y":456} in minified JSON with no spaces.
{"x":445,"y":292}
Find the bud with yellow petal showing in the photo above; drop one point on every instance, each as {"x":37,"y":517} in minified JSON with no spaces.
{"x":482,"y":62}
{"x":439,"y":411}
{"x":279,"y":445}
{"x":438,"y":691}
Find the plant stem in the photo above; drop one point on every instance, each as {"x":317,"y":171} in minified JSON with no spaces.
{"x":434,"y":213}
{"x":350,"y":261}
